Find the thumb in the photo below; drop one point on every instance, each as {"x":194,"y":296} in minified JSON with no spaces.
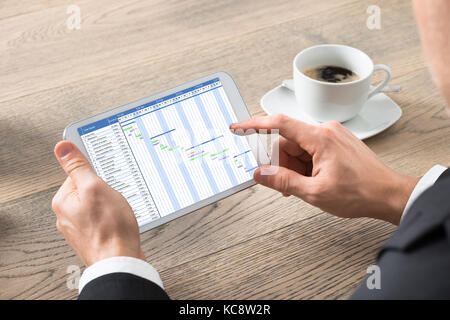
{"x":283,"y":180}
{"x":74,"y":163}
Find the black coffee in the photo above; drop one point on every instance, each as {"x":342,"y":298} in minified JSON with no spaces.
{"x":331,"y":74}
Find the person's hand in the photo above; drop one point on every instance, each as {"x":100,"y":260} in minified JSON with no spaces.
{"x":96,"y":220}
{"x":328,"y":167}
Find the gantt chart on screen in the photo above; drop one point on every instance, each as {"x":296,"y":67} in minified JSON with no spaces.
{"x":171,"y":153}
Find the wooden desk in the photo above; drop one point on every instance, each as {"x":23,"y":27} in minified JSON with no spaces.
{"x":254,"y":244}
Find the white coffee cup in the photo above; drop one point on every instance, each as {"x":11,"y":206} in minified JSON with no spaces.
{"x":326,"y":101}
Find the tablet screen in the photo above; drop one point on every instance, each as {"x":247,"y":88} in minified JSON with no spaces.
{"x":172,"y":152}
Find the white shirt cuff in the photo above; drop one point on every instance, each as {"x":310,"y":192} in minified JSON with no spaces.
{"x":131,"y":265}
{"x":424,"y":183}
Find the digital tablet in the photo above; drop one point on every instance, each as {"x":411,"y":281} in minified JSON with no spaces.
{"x":173,"y":152}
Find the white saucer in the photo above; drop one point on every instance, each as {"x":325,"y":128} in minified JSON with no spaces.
{"x":378,"y":113}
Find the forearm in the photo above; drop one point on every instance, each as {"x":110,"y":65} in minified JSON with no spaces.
{"x":394,"y":198}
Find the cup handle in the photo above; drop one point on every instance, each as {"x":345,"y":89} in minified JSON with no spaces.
{"x":380,"y":86}
{"x":289,"y":84}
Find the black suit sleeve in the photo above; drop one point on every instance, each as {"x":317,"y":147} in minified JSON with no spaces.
{"x":415,"y":261}
{"x":122,"y":286}
{"x":445,"y":175}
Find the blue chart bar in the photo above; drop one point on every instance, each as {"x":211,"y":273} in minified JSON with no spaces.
{"x":181,"y":164}
{"x":161,"y":134}
{"x":229,"y":121}
{"x":210,"y":127}
{"x":157,"y":163}
{"x":197,"y":145}
{"x":188,"y":128}
{"x":242,"y":153}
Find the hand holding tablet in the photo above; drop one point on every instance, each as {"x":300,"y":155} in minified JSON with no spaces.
{"x":96,"y":220}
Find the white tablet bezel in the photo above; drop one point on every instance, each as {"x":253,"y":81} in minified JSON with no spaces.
{"x":240,"y":109}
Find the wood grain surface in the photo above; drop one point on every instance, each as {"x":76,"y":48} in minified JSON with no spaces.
{"x":254,"y":244}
